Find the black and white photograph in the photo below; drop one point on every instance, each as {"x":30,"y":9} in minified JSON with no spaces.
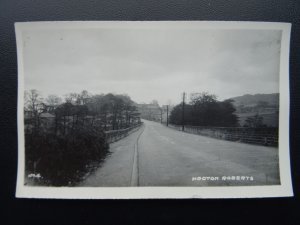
{"x":153,"y":109}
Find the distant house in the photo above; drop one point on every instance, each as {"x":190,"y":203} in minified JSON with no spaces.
{"x":49,"y":108}
{"x":43,"y":120}
{"x":150,"y":111}
{"x":47,"y":119}
{"x":28,"y":114}
{"x":47,"y":116}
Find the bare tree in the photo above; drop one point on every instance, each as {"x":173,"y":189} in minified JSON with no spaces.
{"x":34,"y":105}
{"x":71,"y":98}
{"x":84,"y":97}
{"x":53,"y":100}
{"x":33,"y":100}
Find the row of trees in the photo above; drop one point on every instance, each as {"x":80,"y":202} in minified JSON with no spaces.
{"x":111,"y":112}
{"x":204,"y":109}
{"x":64,"y":139}
{"x":117,"y":110}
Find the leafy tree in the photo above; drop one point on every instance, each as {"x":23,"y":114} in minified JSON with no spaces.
{"x":202,"y":98}
{"x":64,"y":154}
{"x":205,"y":110}
{"x":226,"y":114}
{"x":176,"y":115}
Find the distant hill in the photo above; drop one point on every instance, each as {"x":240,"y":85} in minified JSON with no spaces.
{"x":252,"y":100}
{"x":266,"y":105}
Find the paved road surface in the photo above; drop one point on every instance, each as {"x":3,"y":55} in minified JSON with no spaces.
{"x":156,"y":155}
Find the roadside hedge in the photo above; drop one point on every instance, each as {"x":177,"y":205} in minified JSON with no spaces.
{"x":62,"y":160}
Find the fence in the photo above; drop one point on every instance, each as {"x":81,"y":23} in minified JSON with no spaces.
{"x":261,"y":136}
{"x":115,"y":135}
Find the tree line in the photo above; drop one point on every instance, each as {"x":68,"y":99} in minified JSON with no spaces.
{"x":109,"y":111}
{"x":203,"y":109}
{"x":65,"y":138}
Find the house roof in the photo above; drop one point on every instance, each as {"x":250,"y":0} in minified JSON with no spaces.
{"x":46,"y":115}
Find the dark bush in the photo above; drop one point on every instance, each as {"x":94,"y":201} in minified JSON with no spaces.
{"x":205,"y":110}
{"x":62,"y":160}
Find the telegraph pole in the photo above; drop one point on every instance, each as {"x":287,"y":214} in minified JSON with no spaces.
{"x":183,"y":99}
{"x":167,"y":115}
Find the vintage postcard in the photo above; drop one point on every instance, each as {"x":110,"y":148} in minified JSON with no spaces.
{"x":153,"y":109}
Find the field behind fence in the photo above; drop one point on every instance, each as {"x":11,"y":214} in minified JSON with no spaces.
{"x":261,"y":136}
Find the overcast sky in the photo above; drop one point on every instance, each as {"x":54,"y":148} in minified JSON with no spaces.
{"x":152,"y":64}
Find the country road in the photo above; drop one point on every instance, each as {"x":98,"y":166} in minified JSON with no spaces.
{"x":156,"y":155}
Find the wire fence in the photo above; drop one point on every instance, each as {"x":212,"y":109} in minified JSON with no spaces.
{"x":267,"y":136}
{"x":115,"y":135}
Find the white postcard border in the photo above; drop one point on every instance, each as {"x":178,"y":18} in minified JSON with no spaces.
{"x":285,"y":189}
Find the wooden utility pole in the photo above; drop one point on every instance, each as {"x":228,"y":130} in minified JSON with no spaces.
{"x":167,"y":115}
{"x":183,"y":99}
